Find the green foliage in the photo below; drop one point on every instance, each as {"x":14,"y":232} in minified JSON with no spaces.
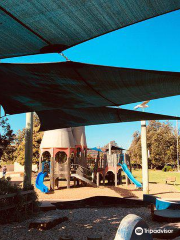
{"x":167,"y":169}
{"x":17,"y":201}
{"x":20,"y":142}
{"x":161,"y":143}
{"x":6,"y":141}
{"x":6,"y":187}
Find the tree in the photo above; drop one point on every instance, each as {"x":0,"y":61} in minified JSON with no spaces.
{"x":20,"y":142}
{"x":6,"y":141}
{"x":161,"y":143}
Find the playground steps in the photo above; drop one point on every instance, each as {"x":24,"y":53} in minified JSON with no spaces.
{"x":47,"y":222}
{"x":174,"y":227}
{"x":75,"y":175}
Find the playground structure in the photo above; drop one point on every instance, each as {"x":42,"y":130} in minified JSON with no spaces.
{"x":63,"y":155}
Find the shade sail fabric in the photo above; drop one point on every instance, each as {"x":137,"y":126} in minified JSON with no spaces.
{"x":95,"y":149}
{"x":114,"y":148}
{"x":39,"y":87}
{"x":55,"y":119}
{"x":30,"y":27}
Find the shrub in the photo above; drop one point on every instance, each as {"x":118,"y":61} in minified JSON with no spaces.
{"x":20,"y":209}
{"x":167,"y":168}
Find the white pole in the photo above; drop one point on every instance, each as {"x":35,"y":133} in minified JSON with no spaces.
{"x":145,"y":173}
{"x":28,"y":149}
{"x":177,"y":131}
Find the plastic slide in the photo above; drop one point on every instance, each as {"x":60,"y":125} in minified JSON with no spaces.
{"x":39,"y":182}
{"x":130,"y":176}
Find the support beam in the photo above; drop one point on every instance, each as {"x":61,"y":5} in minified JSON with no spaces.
{"x":68,"y":169}
{"x":177,"y":132}
{"x":97,"y":179}
{"x":40,"y":163}
{"x":116,"y":160}
{"x":145,"y":172}
{"x":52,"y":181}
{"x":28,"y":149}
{"x":126,"y":162}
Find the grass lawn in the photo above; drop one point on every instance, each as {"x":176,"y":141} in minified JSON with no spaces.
{"x":158,"y":176}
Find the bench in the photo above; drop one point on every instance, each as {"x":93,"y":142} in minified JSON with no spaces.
{"x":171,"y":179}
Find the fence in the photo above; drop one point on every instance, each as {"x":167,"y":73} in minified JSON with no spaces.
{"x":13,"y":205}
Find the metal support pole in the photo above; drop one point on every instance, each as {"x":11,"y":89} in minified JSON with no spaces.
{"x":177,"y":131}
{"x":145,"y":173}
{"x":28,"y":150}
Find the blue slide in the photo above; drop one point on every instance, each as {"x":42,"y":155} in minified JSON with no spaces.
{"x":39,"y":182}
{"x":130,"y":176}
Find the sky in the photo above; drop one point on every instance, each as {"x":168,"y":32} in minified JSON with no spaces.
{"x":153,"y":44}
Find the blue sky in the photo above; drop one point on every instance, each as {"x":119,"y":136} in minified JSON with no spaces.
{"x":152,"y":44}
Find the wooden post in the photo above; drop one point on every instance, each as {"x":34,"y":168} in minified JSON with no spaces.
{"x":120,"y":176}
{"x":40,"y":163}
{"x":145,"y":173}
{"x":68,"y":169}
{"x":97,"y":176}
{"x":104,"y":172}
{"x":104,"y":167}
{"x":115,"y":156}
{"x":28,"y":149}
{"x":127,"y":179}
{"x":52,"y":182}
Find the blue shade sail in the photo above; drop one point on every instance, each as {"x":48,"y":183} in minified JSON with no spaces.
{"x":55,"y":119}
{"x":68,"y":85}
{"x":41,"y":26}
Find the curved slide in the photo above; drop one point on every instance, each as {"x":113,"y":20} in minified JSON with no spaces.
{"x":39,"y":182}
{"x":130,"y":176}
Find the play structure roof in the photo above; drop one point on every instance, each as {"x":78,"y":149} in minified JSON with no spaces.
{"x":92,"y":116}
{"x":95,"y":149}
{"x":31,"y":27}
{"x":114,"y":148}
{"x":59,"y":138}
{"x":79,"y":135}
{"x":39,"y":87}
